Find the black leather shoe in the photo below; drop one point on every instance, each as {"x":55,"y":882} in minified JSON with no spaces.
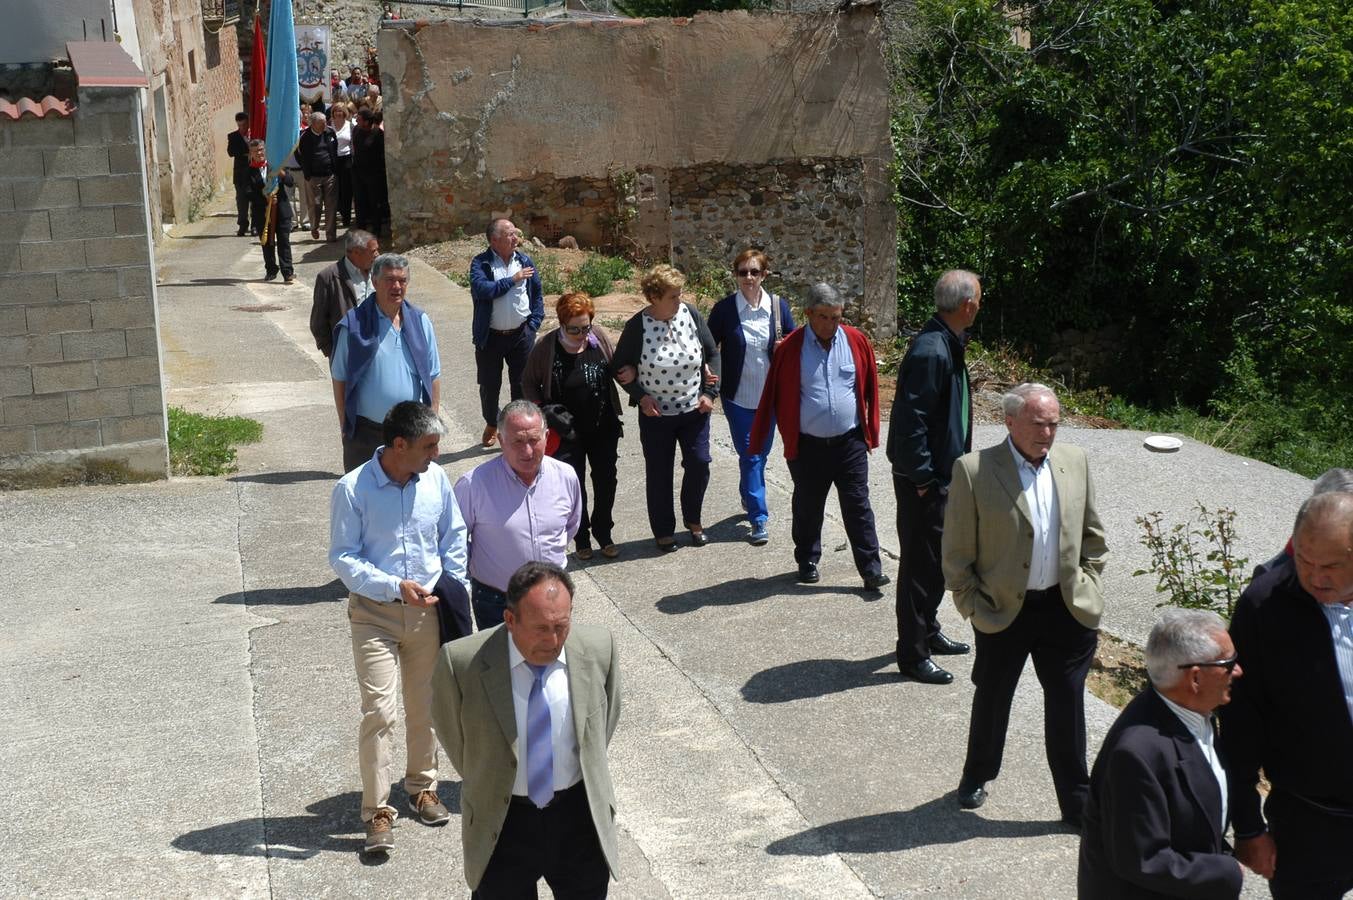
{"x":971,"y":796}
{"x":666,"y":545}
{"x":699,"y":539}
{"x":944,"y":646}
{"x":876,"y":582}
{"x":808,"y":574}
{"x":927,"y":672}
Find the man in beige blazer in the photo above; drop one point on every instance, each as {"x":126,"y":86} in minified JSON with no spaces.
{"x":526,"y":711}
{"x":1023,"y":552}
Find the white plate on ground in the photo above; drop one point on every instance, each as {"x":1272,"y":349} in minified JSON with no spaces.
{"x":1163,"y":443}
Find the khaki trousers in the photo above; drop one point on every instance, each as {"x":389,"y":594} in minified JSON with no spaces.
{"x":389,"y":641}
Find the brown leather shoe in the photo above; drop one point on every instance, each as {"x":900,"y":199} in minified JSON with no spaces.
{"x":380,"y":835}
{"x":429,"y":808}
{"x":490,"y":435}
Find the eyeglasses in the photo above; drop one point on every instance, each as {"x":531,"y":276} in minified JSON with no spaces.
{"x":1228,"y":664}
{"x":577,"y":329}
{"x":749,"y":273}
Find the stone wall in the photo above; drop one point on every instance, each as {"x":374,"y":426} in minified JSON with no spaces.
{"x":655,"y":136}
{"x":80,"y":384}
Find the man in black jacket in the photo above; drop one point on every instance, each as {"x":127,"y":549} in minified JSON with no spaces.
{"x":277,"y":243}
{"x":1292,"y":714}
{"x":1157,"y":809}
{"x":930,"y":427}
{"x":317,"y":153}
{"x":237,"y":148}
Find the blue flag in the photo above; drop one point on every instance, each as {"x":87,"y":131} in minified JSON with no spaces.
{"x":283,"y":91}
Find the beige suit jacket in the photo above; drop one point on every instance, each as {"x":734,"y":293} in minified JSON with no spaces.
{"x":988,"y":537}
{"x":473,"y":715}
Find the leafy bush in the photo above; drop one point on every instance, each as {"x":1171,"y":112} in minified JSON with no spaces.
{"x":598,"y":274}
{"x":551,"y":279}
{"x":1195,"y":563}
{"x":205,"y":445}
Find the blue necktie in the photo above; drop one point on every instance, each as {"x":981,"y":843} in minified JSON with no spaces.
{"x":539,"y":746}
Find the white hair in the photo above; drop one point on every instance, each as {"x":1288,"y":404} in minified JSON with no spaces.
{"x":1181,"y":637}
{"x":954,"y":288}
{"x":1013,"y":401}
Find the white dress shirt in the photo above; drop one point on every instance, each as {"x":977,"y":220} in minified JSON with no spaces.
{"x":1200,"y":726}
{"x":567,"y":770}
{"x":514,"y":307}
{"x":1040,"y":493}
{"x":1340,"y":617}
{"x":756,"y":361}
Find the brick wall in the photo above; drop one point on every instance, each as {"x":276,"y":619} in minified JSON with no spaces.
{"x":80,"y":384}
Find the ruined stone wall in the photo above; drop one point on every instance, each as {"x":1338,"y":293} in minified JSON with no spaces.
{"x":660,"y":129}
{"x":80,"y":384}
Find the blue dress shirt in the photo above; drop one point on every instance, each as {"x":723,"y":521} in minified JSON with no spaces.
{"x":827,"y":404}
{"x":1340,"y":617}
{"x":381,"y":533}
{"x":393,"y":377}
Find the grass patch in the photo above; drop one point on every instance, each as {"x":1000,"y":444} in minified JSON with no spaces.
{"x":205,"y":445}
{"x":599,"y":274}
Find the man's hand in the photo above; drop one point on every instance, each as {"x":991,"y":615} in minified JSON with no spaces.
{"x":648,"y":406}
{"x":922,"y":490}
{"x":1259,"y":853}
{"x":414,"y":594}
{"x":705,"y":404}
{"x":710,"y":378}
{"x":625,"y":374}
{"x":523,"y":273}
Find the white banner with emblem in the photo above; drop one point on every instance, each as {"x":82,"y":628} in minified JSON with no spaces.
{"x":312,"y":61}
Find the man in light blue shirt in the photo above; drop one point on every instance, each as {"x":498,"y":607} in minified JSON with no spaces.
{"x":385,"y":352}
{"x":395,"y":531}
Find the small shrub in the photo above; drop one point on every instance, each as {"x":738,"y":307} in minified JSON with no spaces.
{"x":551,"y":279}
{"x":709,"y":281}
{"x":205,"y":445}
{"x":599,"y":274}
{"x":1195,"y":562}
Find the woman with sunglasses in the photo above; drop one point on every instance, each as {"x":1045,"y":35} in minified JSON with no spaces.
{"x":670,"y":365}
{"x":747,"y":324}
{"x":568,"y":375}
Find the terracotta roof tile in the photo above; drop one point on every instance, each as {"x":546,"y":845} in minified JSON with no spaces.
{"x":38,"y":109}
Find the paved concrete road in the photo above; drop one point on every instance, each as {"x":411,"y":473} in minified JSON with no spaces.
{"x":179,"y":714}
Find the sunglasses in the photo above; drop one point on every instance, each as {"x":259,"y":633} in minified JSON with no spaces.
{"x":1228,"y":664}
{"x":749,"y":273}
{"x":577,"y":329}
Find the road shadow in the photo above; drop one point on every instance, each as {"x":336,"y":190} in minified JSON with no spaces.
{"x":320,"y":252}
{"x":208,"y":282}
{"x":288,"y":596}
{"x":286,"y":477}
{"x":937,"y":821}
{"x":469,"y":452}
{"x":735,"y":592}
{"x":332,"y":826}
{"x":809,"y":678}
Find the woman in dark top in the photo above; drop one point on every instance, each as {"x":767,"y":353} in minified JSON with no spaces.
{"x":671,"y":352}
{"x":747,"y":324}
{"x":568,"y":375}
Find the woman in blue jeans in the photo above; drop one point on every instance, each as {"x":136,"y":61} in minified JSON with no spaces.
{"x":746,"y":325}
{"x":665,"y":359}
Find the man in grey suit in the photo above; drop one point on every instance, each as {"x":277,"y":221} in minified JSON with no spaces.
{"x":526,"y":711}
{"x":1023,"y":551}
{"x":341,"y":286}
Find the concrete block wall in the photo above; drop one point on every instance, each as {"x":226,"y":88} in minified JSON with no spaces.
{"x":80,"y":380}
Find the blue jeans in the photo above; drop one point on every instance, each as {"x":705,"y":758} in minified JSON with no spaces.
{"x":752,"y":466}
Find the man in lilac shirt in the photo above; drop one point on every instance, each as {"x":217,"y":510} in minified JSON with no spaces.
{"x":520,"y":507}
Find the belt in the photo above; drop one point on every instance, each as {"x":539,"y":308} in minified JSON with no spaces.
{"x":1051,"y":593}
{"x":834,"y":441}
{"x":507,"y":330}
{"x":559,"y":797}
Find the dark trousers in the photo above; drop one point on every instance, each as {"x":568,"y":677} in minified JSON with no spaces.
{"x":511,"y":348}
{"x":842,"y":461}
{"x":558,"y":843}
{"x":488,"y":603}
{"x":659,"y":436}
{"x":357,"y":449}
{"x":1062,"y":649}
{"x":920,"y":581}
{"x":246,"y":219}
{"x":1313,"y":857}
{"x":343,"y":172}
{"x":277,"y":252}
{"x":600,"y":449}
{"x":1283,"y":888}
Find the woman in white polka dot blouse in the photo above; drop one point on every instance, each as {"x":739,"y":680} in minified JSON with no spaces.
{"x":675,"y":363}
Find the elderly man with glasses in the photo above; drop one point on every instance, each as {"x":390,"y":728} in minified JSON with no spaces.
{"x":1156,"y":818}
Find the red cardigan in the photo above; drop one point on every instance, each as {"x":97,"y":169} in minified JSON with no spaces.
{"x":780,"y":396}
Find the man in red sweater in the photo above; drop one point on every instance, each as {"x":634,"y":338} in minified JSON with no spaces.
{"x":823,"y":392}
